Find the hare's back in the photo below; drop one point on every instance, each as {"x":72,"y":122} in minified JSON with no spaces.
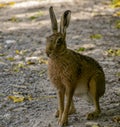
{"x":85,"y":62}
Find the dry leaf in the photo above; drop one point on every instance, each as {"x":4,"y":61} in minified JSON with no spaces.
{"x":16,"y":98}
{"x":42,"y":72}
{"x":10,"y":58}
{"x":117,"y":24}
{"x":118,"y":74}
{"x":20,"y":52}
{"x":14,"y":19}
{"x":30,"y":62}
{"x":2,"y":94}
{"x":115,"y":3}
{"x":29,"y":97}
{"x":17,"y":52}
{"x":16,"y":93}
{"x":17,"y":67}
{"x":21,"y":65}
{"x":2,"y":5}
{"x":2,"y":54}
{"x":117,"y":14}
{"x":43,"y":61}
{"x":113,"y":52}
{"x":11,"y":3}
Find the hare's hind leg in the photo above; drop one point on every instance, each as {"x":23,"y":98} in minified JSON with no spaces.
{"x":94,"y":85}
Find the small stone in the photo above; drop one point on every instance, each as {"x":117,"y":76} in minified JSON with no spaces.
{"x":32,"y":60}
{"x":7,"y":116}
{"x":10,"y":41}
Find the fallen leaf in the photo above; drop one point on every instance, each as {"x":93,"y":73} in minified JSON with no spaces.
{"x":117,"y":14}
{"x":21,"y":65}
{"x":19,"y":96}
{"x":2,"y":94}
{"x":42,"y":72}
{"x":96,"y":36}
{"x":43,"y":61}
{"x":20,"y":52}
{"x":117,"y":24}
{"x":16,"y":98}
{"x":2,"y":54}
{"x":17,"y":52}
{"x":115,"y":3}
{"x":81,"y":49}
{"x":118,"y":74}
{"x":29,"y":97}
{"x":35,"y":16}
{"x":23,"y":52}
{"x":2,"y":5}
{"x":14,"y":19}
{"x":30,"y":62}
{"x":17,"y":67}
{"x":11,"y":59}
{"x":16,"y":93}
{"x":11,"y":3}
{"x":92,"y":124}
{"x":113,"y":52}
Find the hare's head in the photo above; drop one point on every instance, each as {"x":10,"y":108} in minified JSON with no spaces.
{"x":56,"y":43}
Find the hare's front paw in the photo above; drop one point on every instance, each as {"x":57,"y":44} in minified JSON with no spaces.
{"x":63,"y":122}
{"x":71,"y":111}
{"x":92,"y":115}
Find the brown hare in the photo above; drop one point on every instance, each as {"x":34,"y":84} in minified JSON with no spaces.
{"x":72,"y":73}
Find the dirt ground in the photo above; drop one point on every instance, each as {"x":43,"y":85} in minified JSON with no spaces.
{"x":23,"y":62}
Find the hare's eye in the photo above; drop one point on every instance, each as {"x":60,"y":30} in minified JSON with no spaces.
{"x":59,"y":41}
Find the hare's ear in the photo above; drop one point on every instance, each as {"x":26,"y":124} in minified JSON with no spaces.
{"x":53,"y":20}
{"x":65,"y":20}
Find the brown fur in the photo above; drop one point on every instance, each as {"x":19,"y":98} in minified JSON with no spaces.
{"x":73,"y":74}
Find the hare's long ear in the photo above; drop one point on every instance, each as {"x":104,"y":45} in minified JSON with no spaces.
{"x":53,"y":20}
{"x":64,"y":23}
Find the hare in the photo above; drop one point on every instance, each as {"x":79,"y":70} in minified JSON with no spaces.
{"x":72,"y":73}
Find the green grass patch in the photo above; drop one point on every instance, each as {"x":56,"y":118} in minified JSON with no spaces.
{"x":96,"y":36}
{"x":37,"y":15}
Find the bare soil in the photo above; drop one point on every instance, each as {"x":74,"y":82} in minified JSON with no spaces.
{"x":24,"y":26}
